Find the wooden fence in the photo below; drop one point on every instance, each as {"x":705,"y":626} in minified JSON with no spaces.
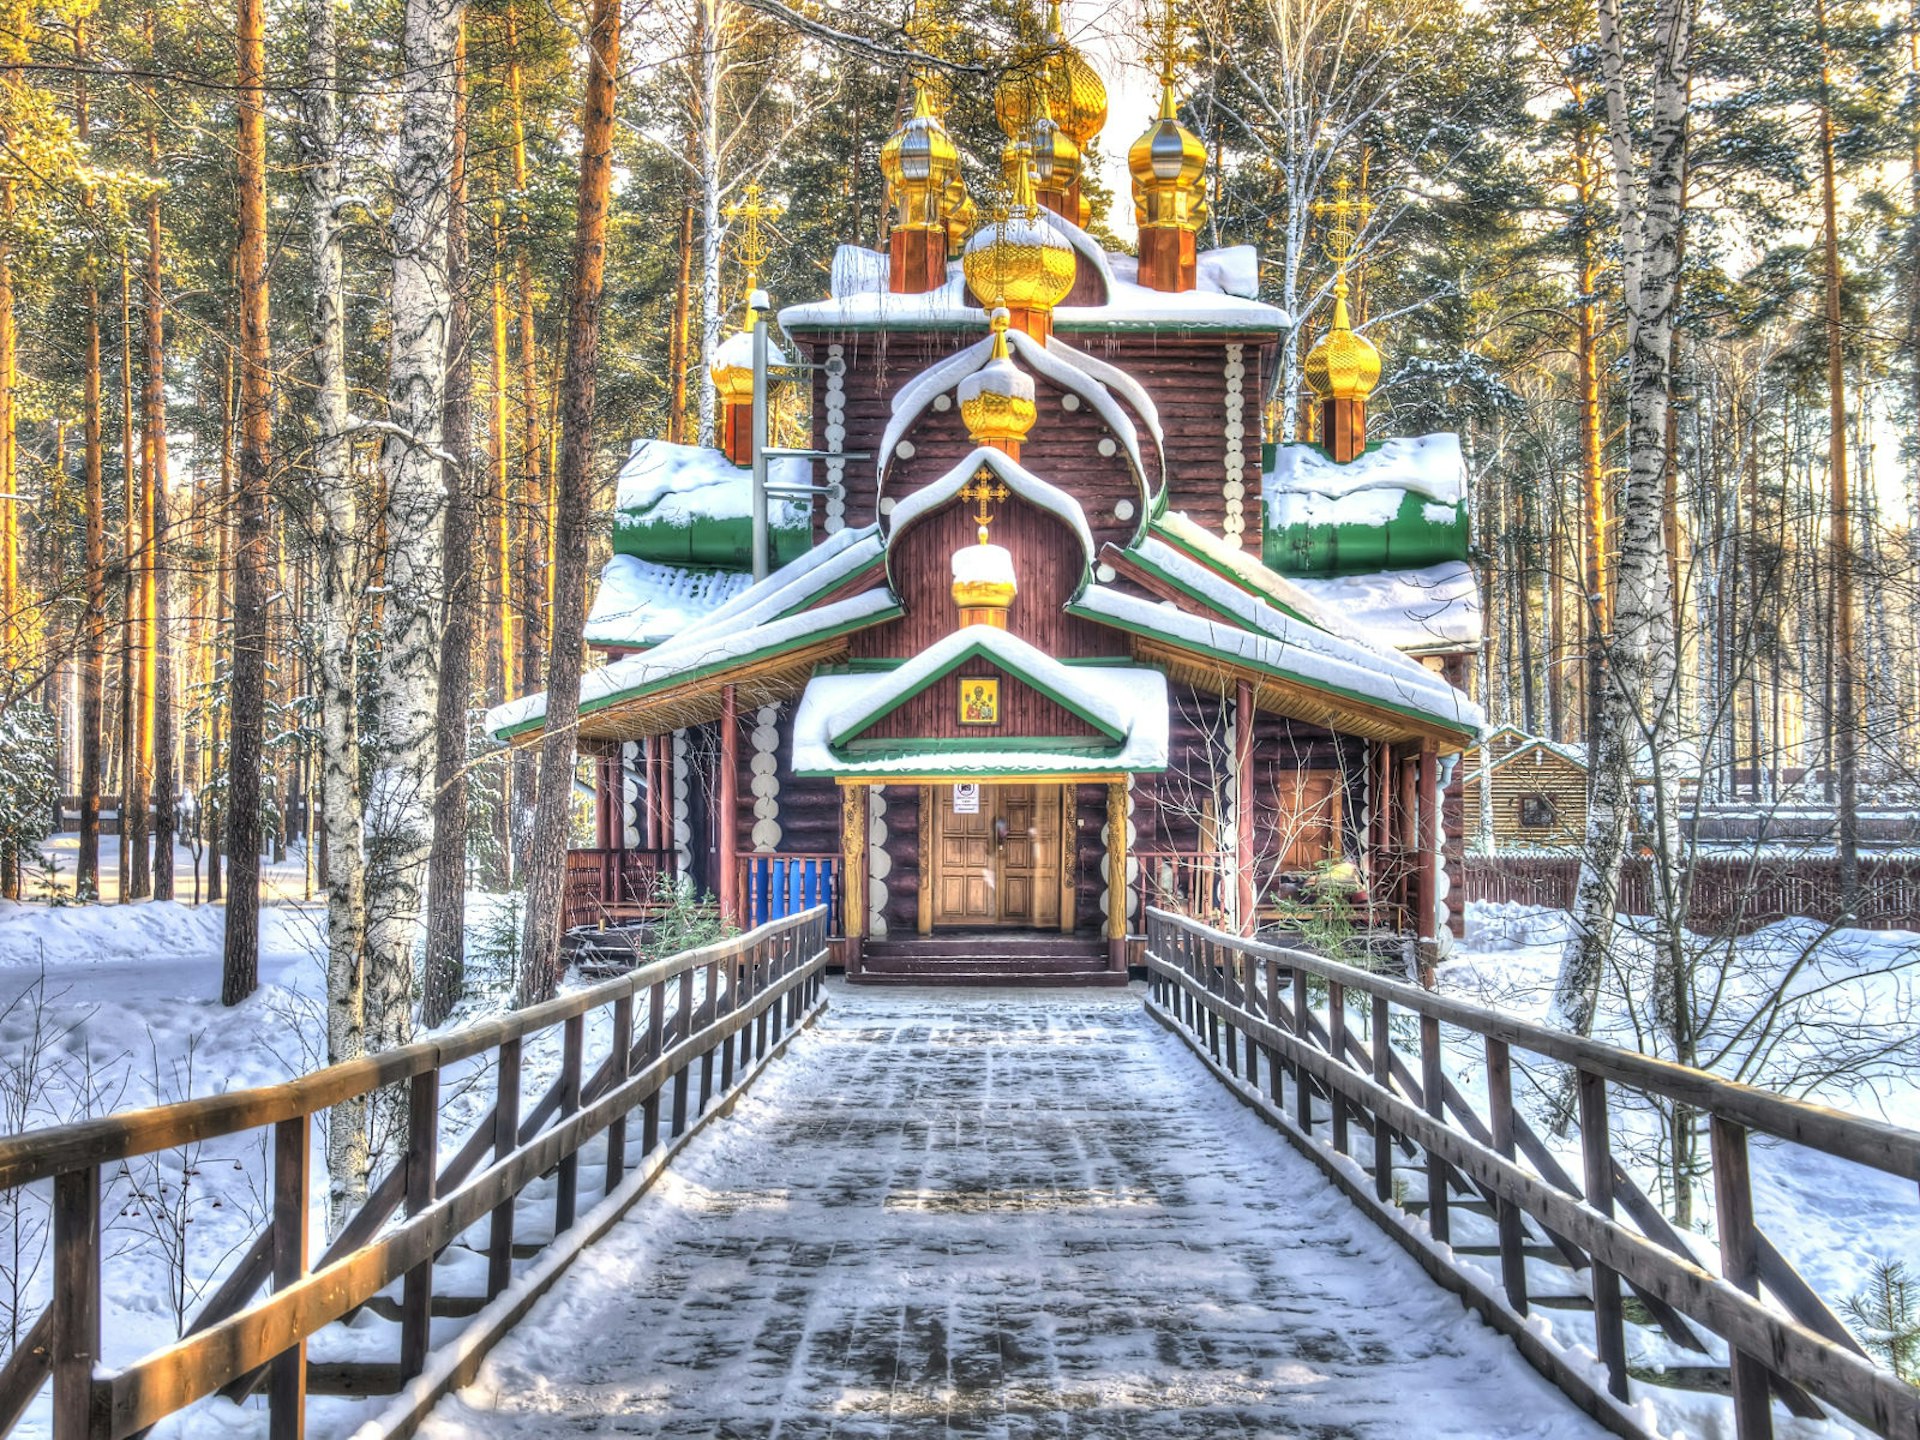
{"x":1250,"y":1011}
{"x":1727,"y":895}
{"x":607,"y":887}
{"x":771,"y":886}
{"x":734,"y":1002}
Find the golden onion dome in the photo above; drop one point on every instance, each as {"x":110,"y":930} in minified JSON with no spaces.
{"x":732,"y":367}
{"x":996,"y":401}
{"x":920,"y":160}
{"x":1020,"y":258}
{"x":1073,"y":89}
{"x":983,"y":579}
{"x":1168,"y":155}
{"x":1343,"y":366}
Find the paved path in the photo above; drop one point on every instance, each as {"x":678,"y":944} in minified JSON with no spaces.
{"x":998,"y":1214}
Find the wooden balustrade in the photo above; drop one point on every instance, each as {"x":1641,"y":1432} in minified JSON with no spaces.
{"x":1188,"y":882}
{"x":738,"y":999}
{"x":771,"y":886}
{"x":607,"y":887}
{"x":1247,"y":1009}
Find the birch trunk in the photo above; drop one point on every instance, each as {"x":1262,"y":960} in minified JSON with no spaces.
{"x":1639,"y":665}
{"x":399,"y":807}
{"x":339,"y":580}
{"x":546,"y":874}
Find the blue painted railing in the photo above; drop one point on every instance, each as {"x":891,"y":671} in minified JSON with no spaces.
{"x":776,"y":886}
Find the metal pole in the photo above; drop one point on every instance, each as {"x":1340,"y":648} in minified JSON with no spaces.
{"x":758,"y":304}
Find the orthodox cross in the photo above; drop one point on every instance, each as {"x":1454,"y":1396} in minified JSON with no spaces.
{"x":1349,"y":216}
{"x":749,"y":245}
{"x":980,"y":491}
{"x":1163,"y":42}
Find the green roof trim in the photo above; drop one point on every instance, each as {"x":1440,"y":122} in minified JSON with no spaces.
{"x":960,"y":745}
{"x":732,"y":662}
{"x":1340,"y":691}
{"x":980,"y":653}
{"x":1198,"y":597}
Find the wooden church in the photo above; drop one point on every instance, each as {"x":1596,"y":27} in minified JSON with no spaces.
{"x":1052,"y":635}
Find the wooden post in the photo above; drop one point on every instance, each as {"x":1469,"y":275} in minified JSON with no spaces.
{"x":1608,"y":1326}
{"x":1243,"y":806}
{"x":605,"y":820}
{"x":1337,"y":1048}
{"x":1383,"y":1077}
{"x":1513,"y":1259}
{"x":853,"y":871}
{"x":1303,"y":1031}
{"x":423,"y":1168}
{"x":287,"y":1386}
{"x":1117,"y":875}
{"x":727,"y":822}
{"x":1433,"y":1083}
{"x":75,"y":1343}
{"x":506,"y":1138}
{"x":566,"y":1191}
{"x":1740,"y":1264}
{"x":656,"y":1043}
{"x":1426,"y":890}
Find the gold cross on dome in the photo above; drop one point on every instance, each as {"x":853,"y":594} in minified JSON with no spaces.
{"x":749,"y":245}
{"x":980,"y":491}
{"x":1349,"y":216}
{"x":1164,"y":44}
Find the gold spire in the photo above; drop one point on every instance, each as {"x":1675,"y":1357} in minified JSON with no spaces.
{"x":749,"y":245}
{"x":1169,"y":166}
{"x":1055,"y":68}
{"x":920,"y":161}
{"x":1343,"y":366}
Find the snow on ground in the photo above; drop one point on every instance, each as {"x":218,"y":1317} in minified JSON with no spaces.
{"x":1856,"y":990}
{"x":998,"y":1214}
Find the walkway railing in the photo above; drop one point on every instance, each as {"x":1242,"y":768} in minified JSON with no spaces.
{"x":775,"y":885}
{"x":1367,"y":1107}
{"x":605,"y":887}
{"x":666,"y":1026}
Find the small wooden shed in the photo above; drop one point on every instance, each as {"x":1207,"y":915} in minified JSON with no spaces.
{"x":1539,"y":792}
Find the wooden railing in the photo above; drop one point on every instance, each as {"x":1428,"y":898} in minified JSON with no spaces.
{"x":1188,"y":882}
{"x":1250,"y":1010}
{"x":775,"y":885}
{"x":605,"y":887}
{"x":734,"y":1002}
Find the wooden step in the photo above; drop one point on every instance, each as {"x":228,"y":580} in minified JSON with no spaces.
{"x":1016,"y":979}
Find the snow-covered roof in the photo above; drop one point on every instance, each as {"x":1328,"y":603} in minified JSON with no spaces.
{"x":1069,"y":369}
{"x":678,"y":484}
{"x":1294,"y":650}
{"x":706,"y":647}
{"x":1224,"y":298}
{"x":1428,"y":465}
{"x":1435,"y":607}
{"x":641,"y":603}
{"x":1133,"y":696}
{"x":1022,"y":481}
{"x":799,"y":582}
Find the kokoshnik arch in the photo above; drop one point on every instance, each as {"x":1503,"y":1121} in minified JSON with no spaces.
{"x":1059,"y":635}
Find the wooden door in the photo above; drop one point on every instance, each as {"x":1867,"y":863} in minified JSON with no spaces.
{"x":999,"y":865}
{"x":966,"y":882}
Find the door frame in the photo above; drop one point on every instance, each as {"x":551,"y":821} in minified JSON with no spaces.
{"x":1065,"y":861}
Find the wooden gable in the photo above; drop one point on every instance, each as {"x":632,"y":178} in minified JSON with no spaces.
{"x":1023,"y":712}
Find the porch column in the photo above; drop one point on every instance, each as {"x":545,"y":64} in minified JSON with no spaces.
{"x":1427,"y":887}
{"x":1117,"y":875}
{"x":1243,"y":808}
{"x":728,"y":819}
{"x":853,"y":871}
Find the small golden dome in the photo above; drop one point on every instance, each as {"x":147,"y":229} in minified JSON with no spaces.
{"x":920,"y":161}
{"x":732,"y":368}
{"x":983,"y":579}
{"x":960,"y":211}
{"x":1167,"y":164}
{"x":1343,"y":366}
{"x":996,"y":401}
{"x":1020,"y":257}
{"x":1073,"y":89}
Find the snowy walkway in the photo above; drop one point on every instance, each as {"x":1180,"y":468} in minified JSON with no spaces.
{"x":998,"y":1214}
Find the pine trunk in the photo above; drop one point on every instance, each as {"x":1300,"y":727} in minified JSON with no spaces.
{"x":540,"y":949}
{"x":135,"y":761}
{"x":93,"y":660}
{"x":158,"y":573}
{"x":247,"y":694}
{"x":447,"y":864}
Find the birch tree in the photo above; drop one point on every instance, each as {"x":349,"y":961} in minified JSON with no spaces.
{"x":399,"y":807}
{"x":1648,"y":175}
{"x":339,"y":579}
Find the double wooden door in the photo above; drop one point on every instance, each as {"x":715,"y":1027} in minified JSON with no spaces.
{"x":999,"y":861}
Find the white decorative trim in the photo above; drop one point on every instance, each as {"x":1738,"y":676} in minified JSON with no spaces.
{"x":1234,"y":488}
{"x":630,"y":794}
{"x":765,"y":767}
{"x":836,"y":438}
{"x":879,"y":863}
{"x":682,"y":821}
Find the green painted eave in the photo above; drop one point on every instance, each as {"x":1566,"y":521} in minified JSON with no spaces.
{"x":1200,"y":597}
{"x":979,"y":652}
